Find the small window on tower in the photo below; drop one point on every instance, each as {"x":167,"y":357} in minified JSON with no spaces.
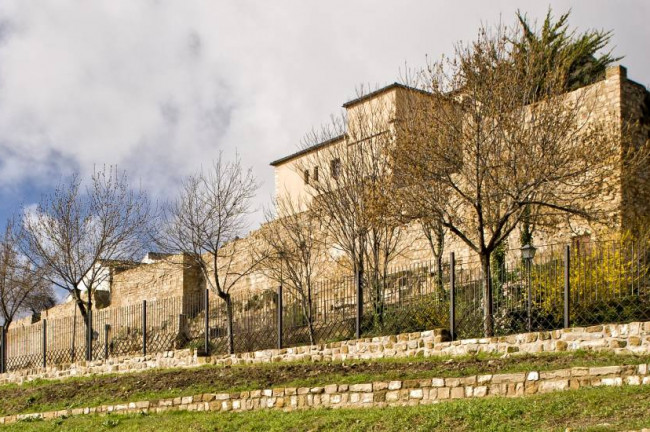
{"x":315,"y":174}
{"x":335,"y":168}
{"x":306,"y":176}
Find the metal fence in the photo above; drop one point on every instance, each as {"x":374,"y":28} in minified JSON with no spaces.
{"x":594,"y":283}
{"x":562,"y":286}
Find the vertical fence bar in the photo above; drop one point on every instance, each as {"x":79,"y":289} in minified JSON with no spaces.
{"x":106,"y":328}
{"x":3,"y":349}
{"x":452,"y":295}
{"x":280,"y":307}
{"x":144,"y":327}
{"x":358,"y":282}
{"x":207,"y":323}
{"x":44,"y":343}
{"x":567,"y":286}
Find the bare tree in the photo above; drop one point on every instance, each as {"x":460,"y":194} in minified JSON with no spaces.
{"x":76,"y":230}
{"x":481,"y":160}
{"x":353,"y":194}
{"x":435,"y":232}
{"x":206,"y":222}
{"x":22,"y":287}
{"x":295,"y":249}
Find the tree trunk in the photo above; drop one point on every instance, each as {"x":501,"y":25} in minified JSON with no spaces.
{"x":82,"y":309}
{"x":307,"y":312}
{"x":89,"y":326}
{"x":74,"y":337}
{"x":488,"y":317}
{"x":229,"y":326}
{"x":361,"y":274}
{"x":439,"y":279}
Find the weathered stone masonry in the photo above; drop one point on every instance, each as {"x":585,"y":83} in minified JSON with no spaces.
{"x":617,"y":338}
{"x":376,"y":394}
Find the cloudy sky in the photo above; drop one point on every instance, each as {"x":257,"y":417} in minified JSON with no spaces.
{"x":160,"y":87}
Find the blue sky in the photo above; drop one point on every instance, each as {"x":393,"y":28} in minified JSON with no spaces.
{"x":160,"y":87}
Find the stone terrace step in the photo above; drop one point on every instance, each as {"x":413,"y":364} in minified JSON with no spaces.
{"x":375,"y":394}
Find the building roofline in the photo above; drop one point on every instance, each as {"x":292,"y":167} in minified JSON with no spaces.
{"x":306,"y":150}
{"x":347,"y":105}
{"x":382,"y":90}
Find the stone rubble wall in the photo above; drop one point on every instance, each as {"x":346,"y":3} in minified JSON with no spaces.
{"x":617,"y":338}
{"x":375,"y":394}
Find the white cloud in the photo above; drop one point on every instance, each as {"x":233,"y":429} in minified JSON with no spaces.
{"x":159,"y":87}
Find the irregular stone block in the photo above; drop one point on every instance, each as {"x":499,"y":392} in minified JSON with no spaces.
{"x":365,"y":388}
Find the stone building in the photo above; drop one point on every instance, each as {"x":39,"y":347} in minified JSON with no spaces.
{"x":159,"y":277}
{"x":615,"y":98}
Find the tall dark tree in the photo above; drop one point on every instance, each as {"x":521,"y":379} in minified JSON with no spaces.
{"x":555,"y":46}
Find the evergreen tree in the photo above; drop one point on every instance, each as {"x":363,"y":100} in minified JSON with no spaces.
{"x":555,"y":46}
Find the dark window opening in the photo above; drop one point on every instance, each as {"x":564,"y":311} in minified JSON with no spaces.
{"x":335,"y":168}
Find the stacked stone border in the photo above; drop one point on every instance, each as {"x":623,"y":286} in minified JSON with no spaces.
{"x":618,"y":338}
{"x":375,"y":394}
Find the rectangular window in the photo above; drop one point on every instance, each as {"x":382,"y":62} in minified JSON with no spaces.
{"x":306,"y":176}
{"x":315,"y":174}
{"x":335,"y":168}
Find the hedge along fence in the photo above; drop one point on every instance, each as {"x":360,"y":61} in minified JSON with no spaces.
{"x":608,"y":283}
{"x":562,"y":286}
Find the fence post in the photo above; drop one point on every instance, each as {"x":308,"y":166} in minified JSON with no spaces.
{"x":44,"y":343}
{"x":280,"y":306}
{"x":106,"y":328}
{"x":89,"y":335}
{"x":3,"y":349}
{"x":144,"y":327}
{"x":207,"y":322}
{"x":452,"y":295}
{"x":358,"y":282}
{"x":567,"y":286}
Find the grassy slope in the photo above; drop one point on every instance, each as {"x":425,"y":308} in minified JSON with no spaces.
{"x":158,"y":384}
{"x":596,"y":409}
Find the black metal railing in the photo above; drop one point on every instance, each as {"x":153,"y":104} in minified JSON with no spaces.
{"x":595,"y":283}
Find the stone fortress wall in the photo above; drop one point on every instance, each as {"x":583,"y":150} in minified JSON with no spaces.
{"x":615,"y":97}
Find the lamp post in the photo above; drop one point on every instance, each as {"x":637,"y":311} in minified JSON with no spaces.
{"x":527,"y":254}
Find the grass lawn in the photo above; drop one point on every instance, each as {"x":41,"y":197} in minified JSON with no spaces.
{"x":42,"y":396}
{"x":592,"y":409}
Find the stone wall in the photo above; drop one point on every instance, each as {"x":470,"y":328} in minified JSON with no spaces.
{"x":616,"y":338}
{"x":375,"y":394}
{"x":172,"y":277}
